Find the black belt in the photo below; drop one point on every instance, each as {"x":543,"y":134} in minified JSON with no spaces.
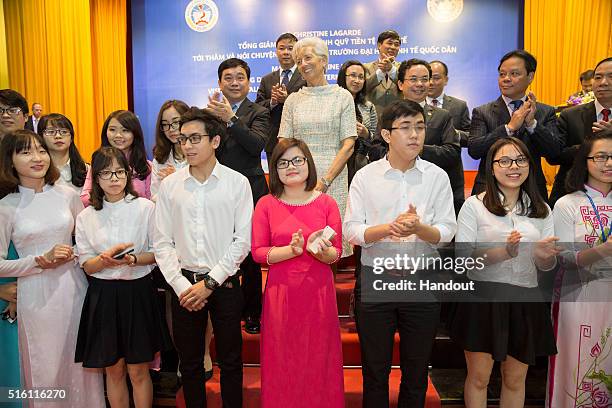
{"x":195,"y":277}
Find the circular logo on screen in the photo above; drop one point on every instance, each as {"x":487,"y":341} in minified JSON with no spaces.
{"x":444,"y":11}
{"x":201,"y":15}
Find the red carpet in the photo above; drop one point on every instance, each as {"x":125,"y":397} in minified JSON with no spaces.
{"x":350,"y":349}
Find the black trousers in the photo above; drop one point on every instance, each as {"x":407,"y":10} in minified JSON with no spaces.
{"x":376,"y":325}
{"x":251,"y":287}
{"x":225,"y":308}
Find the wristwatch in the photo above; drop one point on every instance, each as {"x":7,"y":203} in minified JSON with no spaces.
{"x":327,"y":183}
{"x":210,"y":282}
{"x":232,"y":121}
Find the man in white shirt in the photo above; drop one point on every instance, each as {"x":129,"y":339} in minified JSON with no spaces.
{"x":34,"y":119}
{"x":203,"y":233}
{"x":416,"y":213}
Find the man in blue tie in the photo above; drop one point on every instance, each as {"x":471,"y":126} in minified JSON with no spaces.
{"x":277,"y":85}
{"x":248,"y":127}
{"x":515,"y":113}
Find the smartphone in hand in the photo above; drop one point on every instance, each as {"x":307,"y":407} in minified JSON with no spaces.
{"x":123,"y":253}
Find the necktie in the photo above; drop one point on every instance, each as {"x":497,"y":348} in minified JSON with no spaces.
{"x":606,"y":114}
{"x":285,"y":79}
{"x":516,"y":104}
{"x":434,"y":103}
{"x":234,"y":108}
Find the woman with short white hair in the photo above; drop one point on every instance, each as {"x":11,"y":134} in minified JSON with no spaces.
{"x":322,"y":115}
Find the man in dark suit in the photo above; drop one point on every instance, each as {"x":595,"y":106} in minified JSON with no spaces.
{"x":441,"y":139}
{"x":456,"y":107}
{"x":579,"y":122}
{"x":32,"y":123}
{"x":248,"y":129}
{"x":276,"y":86}
{"x":381,"y":75}
{"x":515,"y":113}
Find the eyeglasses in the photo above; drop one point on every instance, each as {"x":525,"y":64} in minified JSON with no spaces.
{"x":107,"y":174}
{"x":511,"y":74}
{"x":356,"y":77}
{"x":406,"y":129}
{"x":54,"y":132}
{"x":506,"y":162}
{"x":296,"y":161}
{"x":13,"y":111}
{"x":167,"y":126}
{"x":414,"y":80}
{"x":600,"y":158}
{"x":193,"y":139}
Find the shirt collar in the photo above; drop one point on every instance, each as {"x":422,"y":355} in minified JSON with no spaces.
{"x":508,"y":100}
{"x":385,"y":166}
{"x":439,"y":98}
{"x":216,"y":173}
{"x":237,"y":104}
{"x":598,"y":107}
{"x":593,"y":192}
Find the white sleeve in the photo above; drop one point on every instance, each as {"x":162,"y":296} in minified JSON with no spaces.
{"x":84,"y":247}
{"x":17,"y":267}
{"x":444,"y":210}
{"x":355,"y":226}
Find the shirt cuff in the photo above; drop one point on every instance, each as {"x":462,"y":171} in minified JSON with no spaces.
{"x":380,"y":75}
{"x":446,"y":235}
{"x":218,"y":274}
{"x":508,"y":131}
{"x":273,"y":105}
{"x":393,"y":72}
{"x":180,"y":284}
{"x":531,"y":128}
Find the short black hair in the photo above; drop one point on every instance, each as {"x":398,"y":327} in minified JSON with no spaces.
{"x":286,"y":36}
{"x":530,"y":62}
{"x":212,"y":124}
{"x":14,"y":99}
{"x":578,"y":175}
{"x":587,"y":75}
{"x":601,"y":62}
{"x":443,"y":66}
{"x":388,"y":34}
{"x":405,"y":66}
{"x":398,"y":109}
{"x":233,"y":63}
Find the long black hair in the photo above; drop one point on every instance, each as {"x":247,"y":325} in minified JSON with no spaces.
{"x":138,"y":155}
{"x":78,"y":168}
{"x":536,"y":208}
{"x":163,"y":146}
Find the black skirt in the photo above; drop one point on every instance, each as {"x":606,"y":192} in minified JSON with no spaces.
{"x":522,"y":330}
{"x":120,"y":319}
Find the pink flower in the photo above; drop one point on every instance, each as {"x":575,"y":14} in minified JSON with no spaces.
{"x":596,"y":350}
{"x":586,"y":386}
{"x":600,"y":399}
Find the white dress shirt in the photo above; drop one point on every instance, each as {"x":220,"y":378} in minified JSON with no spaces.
{"x":379,"y":193}
{"x":291,"y":72}
{"x":156,"y":167}
{"x":439,"y":98}
{"x":127,"y":220}
{"x":477,"y":225}
{"x":598,"y":111}
{"x":202,"y":227}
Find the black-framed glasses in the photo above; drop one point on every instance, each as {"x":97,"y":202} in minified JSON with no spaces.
{"x":12,"y":110}
{"x":193,"y":139}
{"x":296,"y":161}
{"x":356,"y":76}
{"x":406,"y":129}
{"x":506,"y":162}
{"x":107,"y":174}
{"x":600,"y":158}
{"x":55,"y":132}
{"x":167,"y":126}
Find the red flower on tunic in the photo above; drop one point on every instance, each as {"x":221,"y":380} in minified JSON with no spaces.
{"x":600,"y":398}
{"x":596,"y":350}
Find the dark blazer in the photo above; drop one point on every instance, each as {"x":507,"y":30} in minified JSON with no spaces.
{"x":241,"y":149}
{"x":488,"y":125}
{"x":574,"y":124}
{"x":442,"y":149}
{"x":264,"y":93}
{"x":30,"y":123}
{"x":461,"y":116}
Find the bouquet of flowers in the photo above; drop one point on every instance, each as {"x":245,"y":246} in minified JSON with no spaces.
{"x":580,"y":98}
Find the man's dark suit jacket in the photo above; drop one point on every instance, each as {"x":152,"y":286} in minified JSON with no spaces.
{"x":241,"y":149}
{"x":264,"y":93}
{"x":488,"y":126}
{"x":441,"y":148}
{"x":574,"y":124}
{"x":29,"y":125}
{"x":458,"y":109}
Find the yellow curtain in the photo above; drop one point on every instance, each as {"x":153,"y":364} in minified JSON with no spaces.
{"x":567,"y":37}
{"x":4,"y":78}
{"x":57,"y":57}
